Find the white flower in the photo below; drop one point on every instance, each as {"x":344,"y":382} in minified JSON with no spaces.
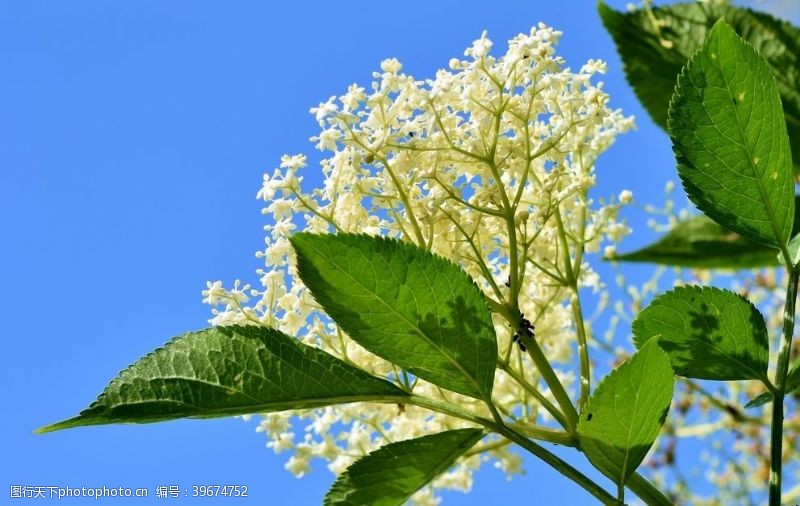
{"x":327,"y":139}
{"x":213,"y":293}
{"x":480,"y":47}
{"x":324,"y":109}
{"x":293,"y":161}
{"x":355,"y":95}
{"x":595,"y":67}
{"x":274,"y":424}
{"x":391,"y":65}
{"x":298,"y":464}
{"x":282,"y":442}
{"x":267,"y":191}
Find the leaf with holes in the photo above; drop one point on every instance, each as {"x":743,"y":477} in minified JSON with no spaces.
{"x":624,"y":415}
{"x":404,"y":304}
{"x":391,"y":474}
{"x":708,"y":333}
{"x":729,"y":138}
{"x":226,"y":371}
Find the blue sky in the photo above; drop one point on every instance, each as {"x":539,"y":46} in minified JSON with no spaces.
{"x":133,"y":136}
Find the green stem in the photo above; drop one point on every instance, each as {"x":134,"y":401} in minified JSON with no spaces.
{"x":583,"y":346}
{"x":511,"y":434}
{"x":406,"y":202}
{"x":544,"y":401}
{"x":500,"y":443}
{"x":638,"y":484}
{"x":478,"y":255}
{"x":549,"y":376}
{"x":647,"y":492}
{"x":556,"y":463}
{"x":572,"y":280}
{"x":534,"y":351}
{"x":781,"y":371}
{"x":554,"y":436}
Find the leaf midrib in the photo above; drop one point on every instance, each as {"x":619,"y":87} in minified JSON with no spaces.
{"x":759,"y":183}
{"x":445,"y":463}
{"x":83,"y":420}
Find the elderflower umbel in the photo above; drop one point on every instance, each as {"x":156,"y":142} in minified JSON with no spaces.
{"x":489,"y":164}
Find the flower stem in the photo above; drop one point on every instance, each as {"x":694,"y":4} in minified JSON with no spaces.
{"x":514,"y":436}
{"x":555,"y":462}
{"x":544,"y":401}
{"x":572,"y":280}
{"x":549,"y":376}
{"x":647,"y":492}
{"x":781,"y":371}
{"x":545,"y":434}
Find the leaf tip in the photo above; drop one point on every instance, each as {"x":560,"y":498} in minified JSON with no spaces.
{"x":53,"y":427}
{"x":721,"y":25}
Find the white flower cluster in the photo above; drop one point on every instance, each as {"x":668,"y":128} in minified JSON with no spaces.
{"x":488,"y":164}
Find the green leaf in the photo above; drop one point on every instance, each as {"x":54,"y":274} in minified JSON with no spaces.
{"x":391,"y":474}
{"x":708,"y":333}
{"x":404,"y":304}
{"x":701,"y":243}
{"x":653,"y":57}
{"x":730,"y":141}
{"x":792,"y":384}
{"x":225,"y":371}
{"x":793,"y":378}
{"x":760,"y":400}
{"x":794,"y":248}
{"x":625,"y":413}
